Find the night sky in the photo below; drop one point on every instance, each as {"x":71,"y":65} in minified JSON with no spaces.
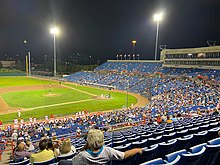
{"x":104,"y":28}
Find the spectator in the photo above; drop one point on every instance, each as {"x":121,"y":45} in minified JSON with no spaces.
{"x":20,"y":153}
{"x":43,"y":154}
{"x":66,"y":148}
{"x":29,"y":145}
{"x":169,"y":120}
{"x":96,"y":153}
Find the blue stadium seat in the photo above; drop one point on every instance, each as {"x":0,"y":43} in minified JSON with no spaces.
{"x":24,"y":162}
{"x":124,"y":147}
{"x":119,"y":143}
{"x":166,"y":148}
{"x":65,"y":162}
{"x":48,"y":162}
{"x":215,"y":142}
{"x":146,"y":136}
{"x":174,"y":155}
{"x":133,"y":139}
{"x":149,"y":153}
{"x":154,"y":161}
{"x":210,"y":154}
{"x":139,"y":144}
{"x":70,"y":156}
{"x":169,"y":136}
{"x":192,"y":158}
{"x":198,"y":138}
{"x":212,"y":133}
{"x":152,"y":141}
{"x":182,"y":133}
{"x":184,"y":142}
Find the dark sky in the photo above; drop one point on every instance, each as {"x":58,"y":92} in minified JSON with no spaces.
{"x":103,"y":28}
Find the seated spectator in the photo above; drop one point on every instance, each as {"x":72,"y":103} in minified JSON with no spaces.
{"x":29,"y":145}
{"x":43,"y":154}
{"x":169,"y":120}
{"x":50,"y":145}
{"x":215,"y":112}
{"x":66,"y":148}
{"x":96,"y":153}
{"x":20,"y":153}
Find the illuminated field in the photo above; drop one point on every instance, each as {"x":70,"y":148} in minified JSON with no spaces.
{"x":39,"y":98}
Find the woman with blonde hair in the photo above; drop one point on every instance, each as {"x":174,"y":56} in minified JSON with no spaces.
{"x":66,"y":148}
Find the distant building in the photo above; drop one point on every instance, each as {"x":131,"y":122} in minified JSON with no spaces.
{"x":8,"y":64}
{"x":203,"y":57}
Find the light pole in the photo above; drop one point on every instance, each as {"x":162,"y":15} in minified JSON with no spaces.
{"x":157,"y":19}
{"x":28,"y":62}
{"x":54,"y":31}
{"x":133,"y":46}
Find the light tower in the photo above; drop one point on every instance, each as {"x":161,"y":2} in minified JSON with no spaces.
{"x":54,"y":31}
{"x":157,"y":18}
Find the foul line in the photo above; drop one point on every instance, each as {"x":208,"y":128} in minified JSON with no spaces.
{"x":79,"y":90}
{"x":53,"y":105}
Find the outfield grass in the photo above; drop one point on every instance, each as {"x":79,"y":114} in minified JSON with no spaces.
{"x":6,"y":81}
{"x":34,"y":98}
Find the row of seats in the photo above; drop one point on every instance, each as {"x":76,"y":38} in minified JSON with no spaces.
{"x":202,"y":154}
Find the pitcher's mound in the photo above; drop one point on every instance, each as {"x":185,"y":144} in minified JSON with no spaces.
{"x":51,"y":95}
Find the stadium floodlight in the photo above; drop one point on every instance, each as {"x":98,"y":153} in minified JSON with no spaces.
{"x":54,"y":31}
{"x":133,"y":44}
{"x":157,"y":18}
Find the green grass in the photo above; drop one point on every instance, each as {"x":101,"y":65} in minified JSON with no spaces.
{"x":27,"y":99}
{"x":6,"y":81}
{"x":34,"y":98}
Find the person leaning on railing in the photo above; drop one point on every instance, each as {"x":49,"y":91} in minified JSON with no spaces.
{"x":96,"y":153}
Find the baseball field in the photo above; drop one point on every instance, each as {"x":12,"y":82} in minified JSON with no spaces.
{"x":37,"y":97}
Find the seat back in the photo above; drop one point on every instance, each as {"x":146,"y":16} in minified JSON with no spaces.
{"x":139,"y":144}
{"x":166,"y":148}
{"x":152,"y":141}
{"x":172,"y":156}
{"x":183,"y":142}
{"x":70,"y":156}
{"x":123,"y":148}
{"x":24,"y":162}
{"x":154,"y":161}
{"x":215,"y":142}
{"x":149,"y":153}
{"x":192,"y":158}
{"x":48,"y":162}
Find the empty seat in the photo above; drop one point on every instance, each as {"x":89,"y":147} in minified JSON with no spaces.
{"x":152,"y":141}
{"x":169,"y":136}
{"x":210,"y":155}
{"x":146,"y":136}
{"x":149,"y":153}
{"x":215,"y":142}
{"x":174,"y":155}
{"x":154,"y":161}
{"x":183,"y":142}
{"x":198,"y":138}
{"x":166,"y":148}
{"x":124,"y":147}
{"x":193,"y":130}
{"x":212,"y":133}
{"x":192,"y":158}
{"x":182,"y":133}
{"x":119,"y":143}
{"x":133,"y":139}
{"x":139,"y":144}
